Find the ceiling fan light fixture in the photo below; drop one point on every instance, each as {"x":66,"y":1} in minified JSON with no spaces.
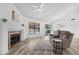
{"x":39,"y":9}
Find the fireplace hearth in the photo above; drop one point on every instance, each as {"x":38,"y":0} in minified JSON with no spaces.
{"x":14,"y":37}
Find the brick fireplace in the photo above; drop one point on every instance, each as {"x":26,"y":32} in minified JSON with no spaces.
{"x":13,"y":38}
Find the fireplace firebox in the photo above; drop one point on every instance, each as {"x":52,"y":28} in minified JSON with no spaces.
{"x":13,"y":38}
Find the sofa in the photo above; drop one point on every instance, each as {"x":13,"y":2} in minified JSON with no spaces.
{"x":65,"y":36}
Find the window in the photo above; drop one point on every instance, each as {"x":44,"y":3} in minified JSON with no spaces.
{"x":34,"y":28}
{"x":47,"y":29}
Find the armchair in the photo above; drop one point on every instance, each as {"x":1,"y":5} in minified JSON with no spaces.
{"x":65,"y":36}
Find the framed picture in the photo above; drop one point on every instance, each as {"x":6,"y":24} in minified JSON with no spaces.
{"x":15,"y":16}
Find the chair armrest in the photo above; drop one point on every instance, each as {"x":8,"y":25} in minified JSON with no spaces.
{"x":63,"y":38}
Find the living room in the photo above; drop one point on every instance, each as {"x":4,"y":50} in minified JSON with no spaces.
{"x":25,"y":22}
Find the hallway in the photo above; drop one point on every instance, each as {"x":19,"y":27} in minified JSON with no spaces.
{"x":40,"y":46}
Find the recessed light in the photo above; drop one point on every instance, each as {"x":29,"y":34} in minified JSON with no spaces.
{"x":73,"y":19}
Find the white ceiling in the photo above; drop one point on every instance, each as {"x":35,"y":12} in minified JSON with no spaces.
{"x":51,"y":11}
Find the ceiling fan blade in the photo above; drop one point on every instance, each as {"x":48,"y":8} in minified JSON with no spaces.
{"x":42,"y":5}
{"x":38,"y":10}
{"x":34,"y":6}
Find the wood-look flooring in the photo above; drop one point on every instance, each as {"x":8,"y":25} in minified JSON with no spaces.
{"x":41,"y":46}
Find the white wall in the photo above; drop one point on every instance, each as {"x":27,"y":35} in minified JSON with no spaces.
{"x":72,"y":26}
{"x":10,"y":25}
{"x":5,"y":12}
{"x":1,"y":29}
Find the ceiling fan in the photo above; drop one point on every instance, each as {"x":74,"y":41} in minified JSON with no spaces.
{"x":39,"y":8}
